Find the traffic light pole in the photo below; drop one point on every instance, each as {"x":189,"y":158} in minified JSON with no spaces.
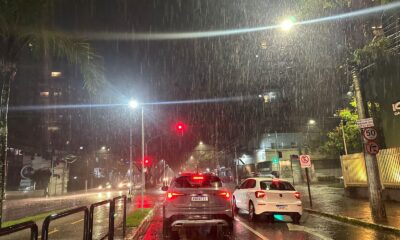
{"x":374,"y":182}
{"x":143,"y":173}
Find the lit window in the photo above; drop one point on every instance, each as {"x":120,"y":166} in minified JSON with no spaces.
{"x":57,"y":93}
{"x":44,"y":94}
{"x":55,"y":74}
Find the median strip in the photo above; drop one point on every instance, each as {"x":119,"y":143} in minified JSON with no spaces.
{"x":33,"y":218}
{"x":355,"y":221}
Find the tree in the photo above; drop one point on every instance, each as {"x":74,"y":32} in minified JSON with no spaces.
{"x":334,"y":146}
{"x":24,"y":27}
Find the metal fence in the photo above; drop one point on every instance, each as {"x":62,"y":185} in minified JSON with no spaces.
{"x":20,"y":227}
{"x":354,"y":171}
{"x":87,"y":223}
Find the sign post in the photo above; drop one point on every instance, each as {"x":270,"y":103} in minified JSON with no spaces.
{"x":305,"y":162}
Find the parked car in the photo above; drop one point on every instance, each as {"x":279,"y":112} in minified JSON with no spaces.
{"x":268,"y":196}
{"x":197,"y":200}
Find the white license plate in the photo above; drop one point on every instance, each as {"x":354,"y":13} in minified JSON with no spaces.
{"x":281,"y":206}
{"x":200,"y":199}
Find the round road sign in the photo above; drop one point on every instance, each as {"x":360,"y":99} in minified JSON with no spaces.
{"x":372,"y":148}
{"x":370,"y":133}
{"x":305,"y":161}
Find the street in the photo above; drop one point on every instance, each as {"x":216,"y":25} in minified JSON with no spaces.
{"x":71,"y":227}
{"x":311,"y":227}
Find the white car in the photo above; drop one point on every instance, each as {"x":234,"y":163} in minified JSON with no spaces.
{"x":268,"y":196}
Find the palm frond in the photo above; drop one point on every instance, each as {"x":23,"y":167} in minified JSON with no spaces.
{"x":81,"y":54}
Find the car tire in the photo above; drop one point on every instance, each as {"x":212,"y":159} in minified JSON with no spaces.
{"x":270,"y":218}
{"x":296,"y":218}
{"x":252,"y":212}
{"x":235,"y":208}
{"x":168,"y":234}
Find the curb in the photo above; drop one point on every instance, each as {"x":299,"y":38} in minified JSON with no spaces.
{"x":144,"y":224}
{"x":356,"y":221}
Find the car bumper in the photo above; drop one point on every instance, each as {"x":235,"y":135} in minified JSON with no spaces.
{"x":282,"y":208}
{"x":197,"y":223}
{"x":172,"y":211}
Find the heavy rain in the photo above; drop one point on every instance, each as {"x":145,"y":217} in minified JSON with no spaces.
{"x":211,"y":119}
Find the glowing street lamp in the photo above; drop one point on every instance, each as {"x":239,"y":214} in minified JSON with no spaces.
{"x":133,"y":104}
{"x":287,"y":24}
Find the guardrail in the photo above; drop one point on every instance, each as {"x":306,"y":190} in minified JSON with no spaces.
{"x":20,"y":227}
{"x":88,"y":221}
{"x":91,"y":219}
{"x":123,"y":197}
{"x":48,"y":219}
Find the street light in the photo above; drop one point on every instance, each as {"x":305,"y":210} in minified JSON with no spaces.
{"x":311,"y":122}
{"x":287,"y":24}
{"x":135,"y":104}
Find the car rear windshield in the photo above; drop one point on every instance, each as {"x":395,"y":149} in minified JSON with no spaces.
{"x":276,"y":185}
{"x":206,"y":182}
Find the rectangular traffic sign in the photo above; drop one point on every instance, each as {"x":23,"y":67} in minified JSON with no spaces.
{"x":366,"y":122}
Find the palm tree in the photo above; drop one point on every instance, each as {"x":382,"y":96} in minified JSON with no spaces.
{"x":23,"y":26}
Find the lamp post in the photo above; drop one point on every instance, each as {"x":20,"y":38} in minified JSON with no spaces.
{"x":134,"y":104}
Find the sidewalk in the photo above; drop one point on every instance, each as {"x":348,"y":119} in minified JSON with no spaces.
{"x":332,"y":200}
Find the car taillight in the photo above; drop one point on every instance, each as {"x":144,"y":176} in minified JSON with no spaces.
{"x":226,"y":195}
{"x":198,"y":178}
{"x":172,"y":195}
{"x":297,"y":195}
{"x":260,"y":194}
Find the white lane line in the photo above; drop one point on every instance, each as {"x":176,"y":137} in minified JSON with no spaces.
{"x":251,"y":229}
{"x":80,"y":220}
{"x":51,"y":232}
{"x":311,"y":231}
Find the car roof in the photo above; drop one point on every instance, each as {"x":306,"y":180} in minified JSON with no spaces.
{"x":267,"y":179}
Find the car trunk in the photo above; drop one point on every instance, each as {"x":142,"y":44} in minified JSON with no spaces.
{"x":199,"y":198}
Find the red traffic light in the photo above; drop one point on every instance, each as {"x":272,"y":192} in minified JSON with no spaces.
{"x":180,"y":127}
{"x":147,"y":161}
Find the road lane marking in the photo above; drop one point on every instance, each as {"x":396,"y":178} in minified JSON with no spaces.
{"x":311,"y":231}
{"x":251,"y":229}
{"x":80,"y":220}
{"x":49,"y":233}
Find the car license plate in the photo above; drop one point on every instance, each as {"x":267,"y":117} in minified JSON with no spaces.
{"x":200,"y":199}
{"x":281,"y":206}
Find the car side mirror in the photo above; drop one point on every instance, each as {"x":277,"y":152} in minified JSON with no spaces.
{"x":164,"y":188}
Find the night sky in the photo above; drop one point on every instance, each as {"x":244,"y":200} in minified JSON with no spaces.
{"x":302,"y":66}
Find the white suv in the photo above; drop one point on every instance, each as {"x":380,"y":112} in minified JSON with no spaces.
{"x":268,"y":196}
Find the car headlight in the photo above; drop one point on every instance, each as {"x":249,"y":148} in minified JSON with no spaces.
{"x":108,"y":186}
{"x":100,"y":187}
{"x":120,"y":185}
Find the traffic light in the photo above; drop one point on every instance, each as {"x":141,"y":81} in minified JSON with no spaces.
{"x":147,"y":161}
{"x":180,"y":127}
{"x":275,"y":159}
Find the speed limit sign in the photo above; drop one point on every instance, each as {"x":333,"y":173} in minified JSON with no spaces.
{"x":370,"y":133}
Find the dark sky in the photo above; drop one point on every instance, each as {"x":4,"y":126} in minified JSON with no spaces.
{"x":301,"y":66}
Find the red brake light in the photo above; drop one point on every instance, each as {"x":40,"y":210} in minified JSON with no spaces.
{"x":226,"y":195}
{"x":297,"y":195}
{"x":260,"y":194}
{"x":172,"y":195}
{"x":197,"y":178}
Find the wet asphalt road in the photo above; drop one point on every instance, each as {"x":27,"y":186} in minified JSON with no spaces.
{"x":71,"y":227}
{"x":311,"y":227}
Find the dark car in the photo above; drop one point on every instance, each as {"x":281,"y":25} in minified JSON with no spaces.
{"x":197,"y":201}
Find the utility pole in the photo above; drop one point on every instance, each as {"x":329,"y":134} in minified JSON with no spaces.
{"x":236,"y":166}
{"x":344,"y":137}
{"x":374,"y":181}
